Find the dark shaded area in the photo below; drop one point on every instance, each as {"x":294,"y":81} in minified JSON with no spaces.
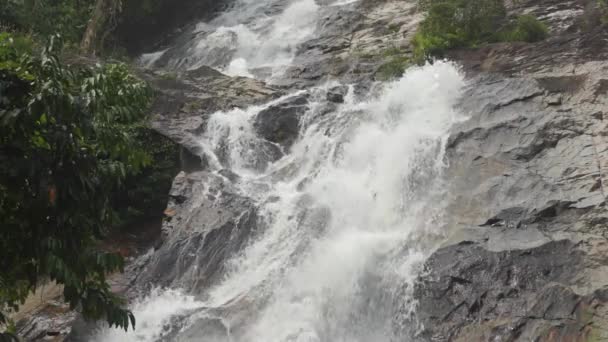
{"x":144,"y":195}
{"x":145,"y":23}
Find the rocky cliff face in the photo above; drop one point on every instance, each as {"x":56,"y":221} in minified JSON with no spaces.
{"x":528,"y":174}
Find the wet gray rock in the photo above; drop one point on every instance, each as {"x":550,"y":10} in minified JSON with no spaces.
{"x":525,"y":259}
{"x":280,"y":123}
{"x":336,"y":94}
{"x":186,"y":329}
{"x":185,"y":100}
{"x":52,"y":323}
{"x":200,"y":233}
{"x":504,"y":294}
{"x":351,"y":42}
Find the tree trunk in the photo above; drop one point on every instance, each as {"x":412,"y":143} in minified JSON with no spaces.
{"x":102,"y":19}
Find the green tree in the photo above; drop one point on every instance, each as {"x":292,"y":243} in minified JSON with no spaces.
{"x":64,"y":151}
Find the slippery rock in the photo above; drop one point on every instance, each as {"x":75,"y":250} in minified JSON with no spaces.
{"x":477,"y":295}
{"x":525,"y":259}
{"x":200,"y":233}
{"x":52,"y":322}
{"x":337,"y":94}
{"x":185,"y":100}
{"x":280,"y":123}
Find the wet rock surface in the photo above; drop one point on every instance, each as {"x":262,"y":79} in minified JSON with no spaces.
{"x":352,"y":42}
{"x":515,"y":295}
{"x":53,"y":322}
{"x":185,"y":100}
{"x":526,"y":256}
{"x":199,"y":233}
{"x":281,"y":123}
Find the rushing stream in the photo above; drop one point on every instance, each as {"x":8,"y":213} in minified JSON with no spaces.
{"x":348,"y":215}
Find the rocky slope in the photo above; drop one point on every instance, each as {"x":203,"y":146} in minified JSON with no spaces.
{"x":528,"y":178}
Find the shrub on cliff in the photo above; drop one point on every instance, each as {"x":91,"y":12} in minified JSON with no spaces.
{"x":525,"y":29}
{"x":64,"y":152}
{"x":396,"y":62}
{"x":456,"y":23}
{"x":468,"y":23}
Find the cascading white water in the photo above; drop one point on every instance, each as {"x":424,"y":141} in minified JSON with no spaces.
{"x":348,"y":215}
{"x":346,"y":232}
{"x":252,"y":38}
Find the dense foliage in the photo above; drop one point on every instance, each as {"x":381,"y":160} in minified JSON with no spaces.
{"x":76,"y":155}
{"x":43,"y":18}
{"x":124,"y":25}
{"x":64,"y":152}
{"x":468,"y":23}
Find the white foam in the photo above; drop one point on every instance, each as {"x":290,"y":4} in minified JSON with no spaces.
{"x":153,"y":314}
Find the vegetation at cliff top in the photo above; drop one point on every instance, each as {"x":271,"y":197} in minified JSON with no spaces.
{"x":468,"y":23}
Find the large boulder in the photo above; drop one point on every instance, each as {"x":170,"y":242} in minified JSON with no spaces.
{"x":280,"y":123}
{"x":200,"y":233}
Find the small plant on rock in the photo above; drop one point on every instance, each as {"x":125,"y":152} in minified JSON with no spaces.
{"x":395,"y":65}
{"x":527,"y":29}
{"x":453,"y":24}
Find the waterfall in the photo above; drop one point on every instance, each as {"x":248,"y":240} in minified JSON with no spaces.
{"x":347,"y":215}
{"x":253,"y":38}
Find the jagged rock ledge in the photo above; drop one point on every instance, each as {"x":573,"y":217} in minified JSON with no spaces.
{"x":527,"y":257}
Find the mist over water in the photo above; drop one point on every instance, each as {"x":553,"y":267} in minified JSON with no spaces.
{"x":348,"y":215}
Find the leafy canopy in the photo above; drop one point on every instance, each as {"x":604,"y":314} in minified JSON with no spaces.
{"x":64,"y":150}
{"x":47,"y":17}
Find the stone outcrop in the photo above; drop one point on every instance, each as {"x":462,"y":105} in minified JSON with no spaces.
{"x":353,"y":42}
{"x":526,"y":257}
{"x":185,"y":101}
{"x":199,"y":234}
{"x":280,"y":123}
